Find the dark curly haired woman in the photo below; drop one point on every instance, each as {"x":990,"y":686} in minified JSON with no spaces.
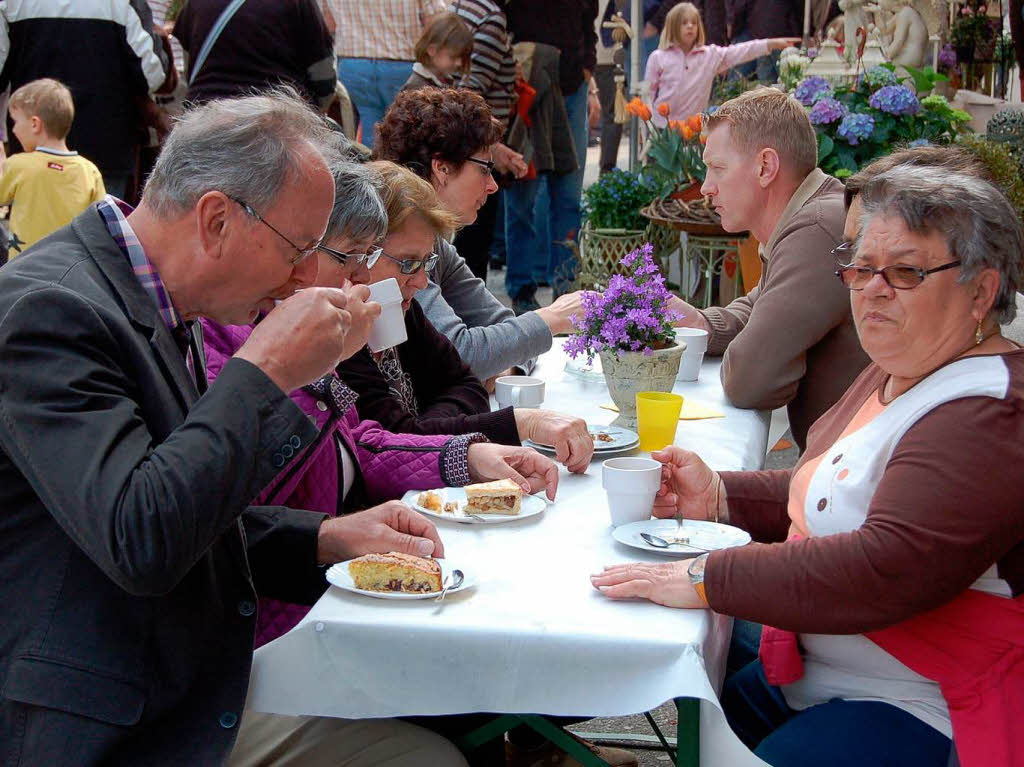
{"x":446,"y":137}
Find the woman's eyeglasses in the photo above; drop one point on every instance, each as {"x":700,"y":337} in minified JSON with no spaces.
{"x":301,"y":253}
{"x":369,"y":258}
{"x":488,"y":164}
{"x":897,"y":276}
{"x":413,"y":265}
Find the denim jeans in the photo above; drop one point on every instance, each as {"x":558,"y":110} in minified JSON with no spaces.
{"x":372,"y":85}
{"x":840,"y":733}
{"x":532,"y":226}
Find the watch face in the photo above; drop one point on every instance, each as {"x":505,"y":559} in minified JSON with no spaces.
{"x":696,"y":569}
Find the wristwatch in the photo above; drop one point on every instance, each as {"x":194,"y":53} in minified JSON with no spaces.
{"x":696,"y":573}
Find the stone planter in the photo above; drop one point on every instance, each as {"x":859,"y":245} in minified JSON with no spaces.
{"x":633,"y":372}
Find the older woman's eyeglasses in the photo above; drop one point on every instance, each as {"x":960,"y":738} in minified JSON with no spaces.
{"x":898,"y":276}
{"x":369,"y":258}
{"x":413,"y":265}
{"x":301,"y":254}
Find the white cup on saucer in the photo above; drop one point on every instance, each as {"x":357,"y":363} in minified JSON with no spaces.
{"x":519,"y":391}
{"x":631,"y":485}
{"x":389,"y":328}
{"x":693,"y":355}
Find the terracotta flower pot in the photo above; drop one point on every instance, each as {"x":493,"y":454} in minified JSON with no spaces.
{"x":687,"y":193}
{"x":630,"y":372}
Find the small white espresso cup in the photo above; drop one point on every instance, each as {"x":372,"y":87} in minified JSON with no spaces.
{"x":693,"y":355}
{"x":389,"y":328}
{"x":631,"y":485}
{"x":519,"y":391}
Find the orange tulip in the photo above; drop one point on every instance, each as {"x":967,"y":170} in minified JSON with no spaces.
{"x":663,"y":109}
{"x":645,"y":113}
{"x":703,"y":138}
{"x":693,"y":121}
{"x":688,"y":132}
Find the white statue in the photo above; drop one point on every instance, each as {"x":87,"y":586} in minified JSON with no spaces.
{"x":854,"y":16}
{"x":904,"y":32}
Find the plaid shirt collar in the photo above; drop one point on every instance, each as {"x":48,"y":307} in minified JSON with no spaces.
{"x":114,"y":212}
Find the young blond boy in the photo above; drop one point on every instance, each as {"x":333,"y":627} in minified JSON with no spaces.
{"x":47,"y":185}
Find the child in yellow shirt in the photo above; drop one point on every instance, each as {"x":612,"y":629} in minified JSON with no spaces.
{"x":47,"y":185}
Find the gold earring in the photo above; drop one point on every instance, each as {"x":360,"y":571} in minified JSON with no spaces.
{"x":978,"y":335}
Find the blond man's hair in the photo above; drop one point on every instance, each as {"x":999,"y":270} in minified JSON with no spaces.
{"x":405,"y":194}
{"x":768,"y":118}
{"x":672,"y":32}
{"x":50,"y":101}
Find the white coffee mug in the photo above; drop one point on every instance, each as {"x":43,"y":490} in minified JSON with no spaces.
{"x":631,"y":485}
{"x":519,"y":391}
{"x":693,"y":355}
{"x":389,"y":328}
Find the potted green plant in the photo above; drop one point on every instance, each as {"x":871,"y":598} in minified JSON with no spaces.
{"x":629,"y":325}
{"x":612,"y":225}
{"x":974,"y":33}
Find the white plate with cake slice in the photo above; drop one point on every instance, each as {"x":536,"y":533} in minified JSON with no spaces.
{"x":488,"y":503}
{"x":398,"y":576}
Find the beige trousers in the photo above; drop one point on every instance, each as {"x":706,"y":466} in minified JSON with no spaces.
{"x":309,"y":741}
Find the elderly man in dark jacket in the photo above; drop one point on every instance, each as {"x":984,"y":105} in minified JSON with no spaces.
{"x":130,"y":559}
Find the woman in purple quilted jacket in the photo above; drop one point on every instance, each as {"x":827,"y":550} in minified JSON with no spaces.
{"x":356,"y":464}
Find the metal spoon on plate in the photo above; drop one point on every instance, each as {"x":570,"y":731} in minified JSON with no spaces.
{"x":452,"y":581}
{"x":661,"y":543}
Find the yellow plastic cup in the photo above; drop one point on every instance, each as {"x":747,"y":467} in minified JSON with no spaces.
{"x":657,"y":415}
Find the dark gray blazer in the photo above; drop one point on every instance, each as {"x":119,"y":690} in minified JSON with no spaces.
{"x":129,"y":563}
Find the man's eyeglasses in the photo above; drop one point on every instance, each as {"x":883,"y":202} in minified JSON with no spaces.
{"x":301,"y":253}
{"x":369,"y":258}
{"x":896,"y":276}
{"x":413,"y":265}
{"x":488,"y":164}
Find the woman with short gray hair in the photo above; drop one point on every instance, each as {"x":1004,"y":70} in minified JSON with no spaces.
{"x":896,"y":587}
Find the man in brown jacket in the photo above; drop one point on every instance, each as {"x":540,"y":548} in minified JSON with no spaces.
{"x":790,"y":341}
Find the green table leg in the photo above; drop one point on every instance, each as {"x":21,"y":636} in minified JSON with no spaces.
{"x":688,"y":732}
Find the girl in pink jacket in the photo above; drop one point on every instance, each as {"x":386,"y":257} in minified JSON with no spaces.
{"x":680,"y":73}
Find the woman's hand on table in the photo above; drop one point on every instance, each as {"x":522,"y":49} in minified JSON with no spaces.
{"x":666,"y":583}
{"x":392,"y":526}
{"x":573,"y":443}
{"x":558,"y":316}
{"x":524,"y":466}
{"x":688,"y":486}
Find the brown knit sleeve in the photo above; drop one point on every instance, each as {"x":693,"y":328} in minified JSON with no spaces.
{"x":947,"y":508}
{"x":758,"y":502}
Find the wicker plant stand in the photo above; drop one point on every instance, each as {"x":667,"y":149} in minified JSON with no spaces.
{"x":707,"y":244}
{"x":601,"y":252}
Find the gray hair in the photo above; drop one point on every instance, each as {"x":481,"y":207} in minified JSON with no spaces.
{"x":976,"y":220}
{"x":358,"y":211}
{"x":248,"y":148}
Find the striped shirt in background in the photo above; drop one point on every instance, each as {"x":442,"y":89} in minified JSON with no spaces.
{"x":492,"y":71}
{"x":380,"y":29}
{"x":160,"y":9}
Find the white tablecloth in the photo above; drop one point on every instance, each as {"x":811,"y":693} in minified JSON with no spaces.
{"x":533,"y":636}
